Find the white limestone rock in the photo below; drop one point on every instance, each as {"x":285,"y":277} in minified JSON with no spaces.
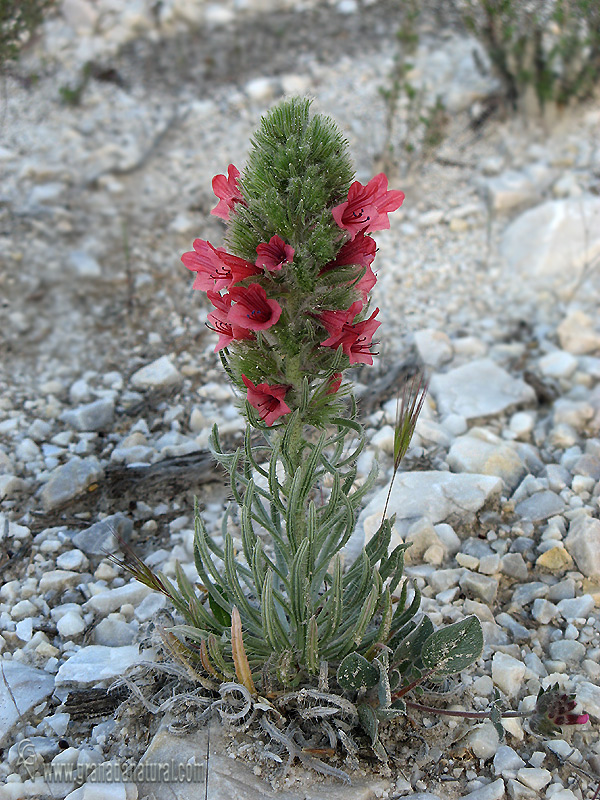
{"x":111,"y":600}
{"x":70,"y":624}
{"x":534,"y":777}
{"x":508,"y":673}
{"x":95,"y":663}
{"x":588,"y":695}
{"x":483,"y":741}
{"x":479,"y":389}
{"x":84,"y":265}
{"x":510,"y":190}
{"x":540,"y":506}
{"x":583,"y":544}
{"x":96,"y":416}
{"x":100,"y":536}
{"x":481,"y":451}
{"x":233,"y":778}
{"x":576,"y":332}
{"x":558,"y":364}
{"x":24,"y":686}
{"x":157,"y":374}
{"x":553,"y":240}
{"x":491,"y":791}
{"x":69,"y":480}
{"x":433,"y":346}
{"x":507,"y":761}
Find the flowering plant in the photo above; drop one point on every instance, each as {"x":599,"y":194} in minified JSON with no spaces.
{"x":290,"y":296}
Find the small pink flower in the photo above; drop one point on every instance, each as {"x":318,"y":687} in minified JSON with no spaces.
{"x":204,"y":260}
{"x":239,"y":268}
{"x":218,"y":322}
{"x":228,"y":192}
{"x":359,"y":251}
{"x":216,"y":269}
{"x":334,"y":321}
{"x":274,"y":254}
{"x":267,"y":399}
{"x":367,"y":207}
{"x":252,"y":309}
{"x":356,"y":340}
{"x":366,"y":283}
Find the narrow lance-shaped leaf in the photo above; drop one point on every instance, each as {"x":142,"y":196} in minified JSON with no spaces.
{"x":238,"y":653}
{"x":312,"y":646}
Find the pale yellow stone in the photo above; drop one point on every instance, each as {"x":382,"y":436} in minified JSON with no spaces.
{"x":556,"y":559}
{"x":593,"y":588}
{"x":47,"y":650}
{"x":458,"y":225}
{"x":465,"y":560}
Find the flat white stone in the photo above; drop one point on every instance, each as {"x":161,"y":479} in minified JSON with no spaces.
{"x":576,"y":607}
{"x":84,"y":264}
{"x":481,"y":451}
{"x":507,"y":759}
{"x":96,"y":663}
{"x":588,"y":695}
{"x":534,"y":777}
{"x":434,"y":347}
{"x":23,"y":685}
{"x":483,"y":741}
{"x":510,"y":190}
{"x":583,"y":543}
{"x":558,"y":364}
{"x":479,"y":389}
{"x":508,"y":673}
{"x":94,"y":416}
{"x":70,"y":624}
{"x":491,"y":791}
{"x":577,"y":335}
{"x":161,"y":372}
{"x":553,"y":240}
{"x":112,"y":599}
{"x":70,"y":480}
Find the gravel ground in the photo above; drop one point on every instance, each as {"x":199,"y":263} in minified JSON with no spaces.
{"x":109,"y":384}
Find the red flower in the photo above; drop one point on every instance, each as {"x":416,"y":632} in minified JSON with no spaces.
{"x":359,"y":250}
{"x":219,"y":324}
{"x":267,"y":399}
{"x":334,"y":383}
{"x":274,"y":254}
{"x":366,"y":283}
{"x":227,"y":190}
{"x":252,"y":310}
{"x":334,"y":321}
{"x":239,"y":268}
{"x":204,"y":260}
{"x":215,"y":269}
{"x":355,"y":339}
{"x":367,"y":207}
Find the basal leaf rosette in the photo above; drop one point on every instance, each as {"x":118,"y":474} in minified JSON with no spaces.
{"x":290,"y":291}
